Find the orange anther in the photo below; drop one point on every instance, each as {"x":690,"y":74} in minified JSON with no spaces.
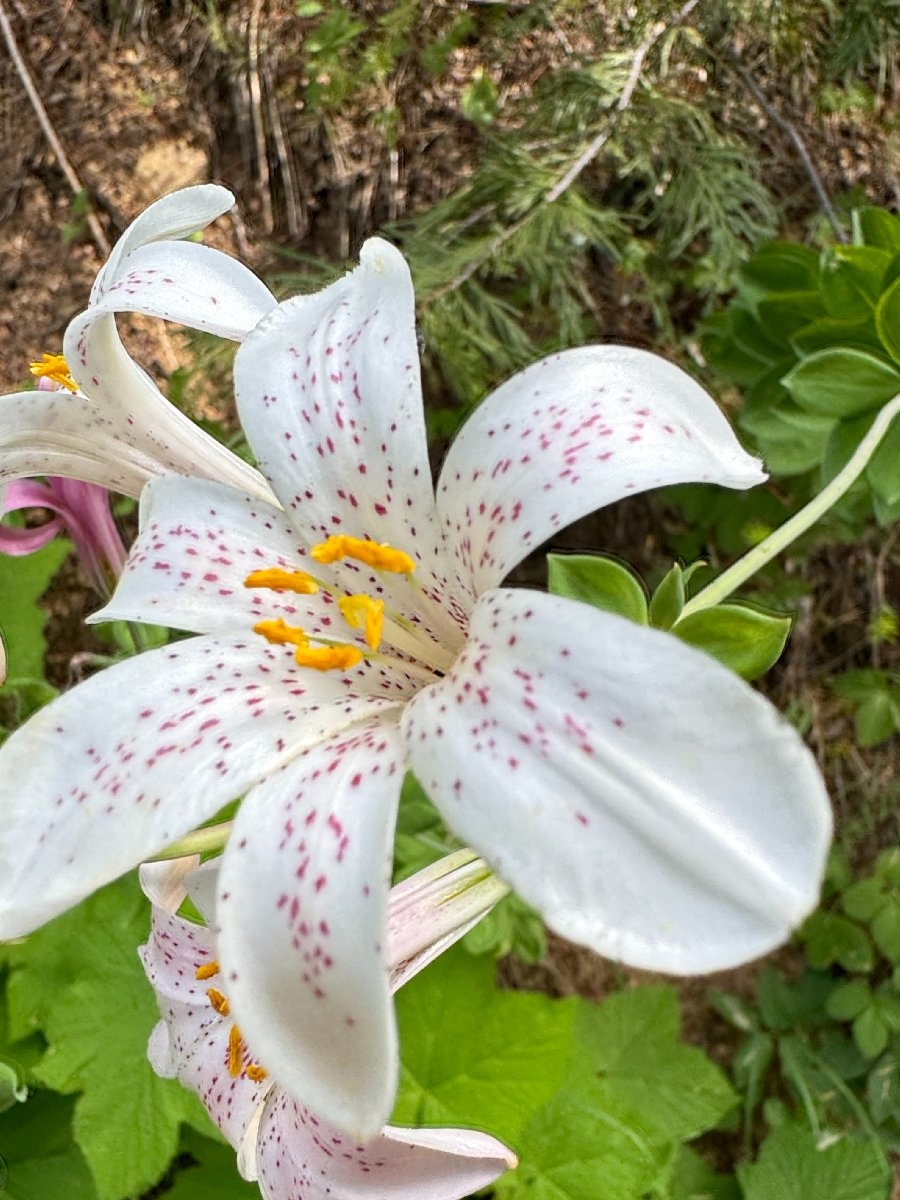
{"x":207,"y":970}
{"x":55,"y":368}
{"x":257,"y":1073}
{"x":218,"y":1001}
{"x":362,"y":612}
{"x":328,"y":658}
{"x":281,"y":580}
{"x":373,"y":554}
{"x":235,"y":1052}
{"x":280,"y":633}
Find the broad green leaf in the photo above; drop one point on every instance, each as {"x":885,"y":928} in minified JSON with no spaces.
{"x":781,"y":315}
{"x":791,"y":439}
{"x":831,"y":938}
{"x":862,"y":900}
{"x":213,"y":1174}
{"x":852,"y":278}
{"x":747,"y":641}
{"x":12,"y":1087}
{"x":474,"y":1054}
{"x":843,"y":382}
{"x":780,"y":267}
{"x":722,"y":352}
{"x":883,"y":471}
{"x":575,"y":1150}
{"x":877,"y":717}
{"x":643,"y":1073}
{"x":600,"y":581}
{"x":827,"y":332}
{"x":887,"y":865}
{"x":39,"y":1155}
{"x":22,"y":583}
{"x":887,"y":320}
{"x":878,"y":227}
{"x":80,"y":980}
{"x":792,"y":1166}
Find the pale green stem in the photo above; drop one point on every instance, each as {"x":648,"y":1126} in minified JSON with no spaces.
{"x":198,"y":842}
{"x":755,"y":559}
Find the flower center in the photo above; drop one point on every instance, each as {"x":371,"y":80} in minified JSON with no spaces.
{"x":360,"y":611}
{"x":237,"y":1047}
{"x":55,"y":368}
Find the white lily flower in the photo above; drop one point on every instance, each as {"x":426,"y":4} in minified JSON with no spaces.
{"x":109,"y":424}
{"x":643,"y":798}
{"x":287,"y":1148}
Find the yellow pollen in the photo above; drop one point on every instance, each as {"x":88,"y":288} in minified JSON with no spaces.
{"x":279,"y":633}
{"x":257,"y":1073}
{"x":381,"y":557}
{"x":54,"y":367}
{"x":218,"y":1001}
{"x":328,"y":658}
{"x":362,"y":612}
{"x":207,"y":970}
{"x":235,"y":1052}
{"x":281,"y":580}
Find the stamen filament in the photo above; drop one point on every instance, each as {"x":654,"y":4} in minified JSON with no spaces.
{"x":374,"y":554}
{"x":280,"y":580}
{"x":55,"y":368}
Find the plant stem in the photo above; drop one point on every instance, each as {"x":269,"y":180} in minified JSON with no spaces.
{"x":755,"y":559}
{"x":212,"y":838}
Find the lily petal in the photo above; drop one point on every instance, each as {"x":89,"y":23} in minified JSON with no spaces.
{"x":329,"y":395}
{"x":147,"y":750}
{"x":630,"y":801}
{"x":568,"y":435}
{"x":191,"y":284}
{"x":191,"y":1041}
{"x":300,"y":1155}
{"x":177,"y":215}
{"x":302,"y":911}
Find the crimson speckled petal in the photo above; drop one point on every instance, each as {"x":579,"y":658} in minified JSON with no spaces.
{"x":642,"y":797}
{"x":568,"y":435}
{"x":302,"y":914}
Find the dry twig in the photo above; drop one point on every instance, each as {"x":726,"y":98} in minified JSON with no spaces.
{"x":49,"y":132}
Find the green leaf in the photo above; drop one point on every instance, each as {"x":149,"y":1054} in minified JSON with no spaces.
{"x":213,"y":1174}
{"x":41,"y":1159}
{"x":827,"y":332}
{"x":792,"y":439}
{"x":80,"y":980}
{"x":668,"y":599}
{"x":852,"y":279}
{"x":887,"y":320}
{"x":474,"y":1054}
{"x":886,"y":928}
{"x":792,"y":1166}
{"x":22,"y":583}
{"x":870,"y":1032}
{"x":878,"y":227}
{"x":862,"y":900}
{"x":791,"y":1004}
{"x":831,"y":938}
{"x":848,"y":1000}
{"x":780,"y":267}
{"x":883,"y":1088}
{"x":634,"y":1093}
{"x":600,"y":581}
{"x":843,"y":382}
{"x":782,"y":315}
{"x":642,"y":1072}
{"x":747,"y":641}
{"x":694,"y":1179}
{"x":876,"y":719}
{"x":883,"y":470}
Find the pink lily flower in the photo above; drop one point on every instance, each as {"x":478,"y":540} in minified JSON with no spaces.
{"x":82,"y":511}
{"x":281,"y":1143}
{"x":644,"y":799}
